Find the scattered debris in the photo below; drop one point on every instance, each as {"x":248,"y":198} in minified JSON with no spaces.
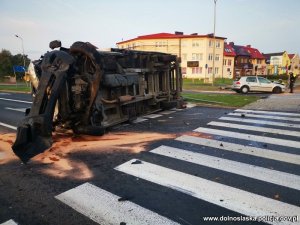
{"x":221,"y":145}
{"x":53,"y":159}
{"x":137,"y":162}
{"x":277,"y":196}
{"x":243,"y":115}
{"x":123,"y":199}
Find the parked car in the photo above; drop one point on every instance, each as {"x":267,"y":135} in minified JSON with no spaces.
{"x":257,"y":84}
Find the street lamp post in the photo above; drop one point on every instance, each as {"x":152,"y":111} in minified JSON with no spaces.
{"x":22,"y":48}
{"x":214,"y":47}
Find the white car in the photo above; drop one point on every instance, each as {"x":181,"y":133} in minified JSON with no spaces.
{"x":257,"y":84}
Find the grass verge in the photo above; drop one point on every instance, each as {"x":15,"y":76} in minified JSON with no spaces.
{"x":198,"y":84}
{"x":17,"y":88}
{"x":229,"y":100}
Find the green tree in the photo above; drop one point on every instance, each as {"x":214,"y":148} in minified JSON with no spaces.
{"x":7,"y":61}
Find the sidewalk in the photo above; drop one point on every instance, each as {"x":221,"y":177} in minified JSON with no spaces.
{"x":288,"y":102}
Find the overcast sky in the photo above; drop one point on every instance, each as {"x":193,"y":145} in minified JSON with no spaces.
{"x":269,"y":25}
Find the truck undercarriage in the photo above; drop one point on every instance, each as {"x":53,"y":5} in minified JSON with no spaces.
{"x":87,"y":90}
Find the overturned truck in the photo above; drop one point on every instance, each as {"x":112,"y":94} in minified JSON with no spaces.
{"x":87,"y":90}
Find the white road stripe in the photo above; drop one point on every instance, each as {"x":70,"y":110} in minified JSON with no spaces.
{"x":16,"y":109}
{"x":268,"y":112}
{"x":247,"y":170}
{"x":219,"y":194}
{"x":14,"y":100}
{"x":269,"y":140}
{"x":256,"y":128}
{"x":265,"y":116}
{"x":152,"y":116}
{"x":9,"y":222}
{"x":7,"y":125}
{"x":105,"y":208}
{"x":264,"y":122}
{"x":139,"y":120}
{"x":167,"y":112}
{"x":243,"y":149}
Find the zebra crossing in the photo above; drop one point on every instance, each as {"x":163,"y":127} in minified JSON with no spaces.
{"x":251,"y":146}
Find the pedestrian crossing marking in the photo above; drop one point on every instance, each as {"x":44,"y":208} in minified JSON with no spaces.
{"x":263,"y":122}
{"x":222,"y":195}
{"x":267,"y":112}
{"x":9,"y":222}
{"x":105,"y":208}
{"x":255,"y":172}
{"x":243,"y":149}
{"x":265,"y":116}
{"x":256,"y":128}
{"x":250,"y":137}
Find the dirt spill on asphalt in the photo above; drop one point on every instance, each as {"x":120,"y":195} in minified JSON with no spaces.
{"x":58,"y":160}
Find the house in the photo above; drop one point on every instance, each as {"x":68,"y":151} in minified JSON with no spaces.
{"x":242,"y":65}
{"x":257,"y":60}
{"x":198,"y":53}
{"x":228,"y":61}
{"x":277,"y":63}
{"x":295,"y":64}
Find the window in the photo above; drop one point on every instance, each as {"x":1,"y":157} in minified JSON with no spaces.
{"x":251,"y":79}
{"x":218,"y":44}
{"x":211,"y":43}
{"x":263,"y":80}
{"x":216,"y":70}
{"x":161,"y":44}
{"x":217,"y":58}
{"x":224,"y":62}
{"x":183,"y":70}
{"x":259,"y":61}
{"x":184,"y":44}
{"x":229,"y":62}
{"x":210,"y":57}
{"x":209,"y":70}
{"x":196,"y":70}
{"x":197,"y":56}
{"x":195,"y":43}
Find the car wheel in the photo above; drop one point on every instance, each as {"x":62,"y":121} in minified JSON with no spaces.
{"x":277,"y":90}
{"x":245,"y":89}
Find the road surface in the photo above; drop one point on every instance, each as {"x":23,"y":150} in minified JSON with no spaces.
{"x":195,"y":166}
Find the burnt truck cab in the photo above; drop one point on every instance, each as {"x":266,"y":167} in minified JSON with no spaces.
{"x":88,"y":90}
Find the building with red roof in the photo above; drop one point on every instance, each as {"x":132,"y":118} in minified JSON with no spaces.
{"x":198,"y":53}
{"x":258,"y":61}
{"x":228,"y":61}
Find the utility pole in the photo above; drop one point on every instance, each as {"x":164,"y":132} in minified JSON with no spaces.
{"x":214,"y":41}
{"x":22,"y":48}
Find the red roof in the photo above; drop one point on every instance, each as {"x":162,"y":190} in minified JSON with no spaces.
{"x":168,"y":36}
{"x":254,"y":53}
{"x":291,"y":56}
{"x":229,"y":50}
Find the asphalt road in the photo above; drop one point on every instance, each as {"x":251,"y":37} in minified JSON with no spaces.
{"x":177,"y":167}
{"x":12,"y":108}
